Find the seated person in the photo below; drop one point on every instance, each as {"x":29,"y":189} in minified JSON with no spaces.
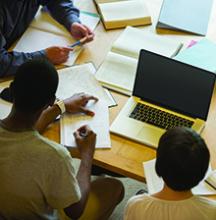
{"x":37,"y":175}
{"x":16,"y":16}
{"x":182,"y":161}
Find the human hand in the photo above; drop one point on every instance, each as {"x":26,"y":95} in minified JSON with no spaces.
{"x":79,"y":31}
{"x":58,"y":55}
{"x":85,"y":140}
{"x":77,"y":103}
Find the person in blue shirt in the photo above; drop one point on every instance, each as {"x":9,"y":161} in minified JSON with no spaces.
{"x":15,"y":17}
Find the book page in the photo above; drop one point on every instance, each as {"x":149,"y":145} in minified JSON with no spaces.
{"x":123,"y":10}
{"x":132,"y":40}
{"x":155,"y":183}
{"x":99,"y":123}
{"x":118,"y":72}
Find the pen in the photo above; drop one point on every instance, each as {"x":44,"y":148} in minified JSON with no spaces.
{"x":79,"y":42}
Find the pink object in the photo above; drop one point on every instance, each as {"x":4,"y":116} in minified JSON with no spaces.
{"x":192,"y":42}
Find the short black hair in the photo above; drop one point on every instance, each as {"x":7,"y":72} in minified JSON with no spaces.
{"x":34,"y":85}
{"x":182,"y":158}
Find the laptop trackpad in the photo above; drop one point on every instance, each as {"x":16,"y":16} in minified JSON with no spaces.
{"x":150,"y":135}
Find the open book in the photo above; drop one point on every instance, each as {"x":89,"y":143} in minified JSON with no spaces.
{"x":77,"y":79}
{"x":44,"y":32}
{"x":190,"y":16}
{"x":155,"y":183}
{"x":118,"y":70}
{"x":120,"y":13}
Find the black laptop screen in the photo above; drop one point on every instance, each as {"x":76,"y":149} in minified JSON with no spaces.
{"x":174,"y":85}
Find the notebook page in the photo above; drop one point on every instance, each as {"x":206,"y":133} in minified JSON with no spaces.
{"x":99,"y":123}
{"x":132,"y":40}
{"x":118,"y":72}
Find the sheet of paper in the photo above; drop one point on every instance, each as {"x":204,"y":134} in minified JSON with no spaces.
{"x":155,"y":183}
{"x":118,"y":72}
{"x":34,"y":39}
{"x":77,"y":79}
{"x":45,"y":32}
{"x":80,"y":78}
{"x":132,"y":40}
{"x":5,"y":107}
{"x":99,"y":124}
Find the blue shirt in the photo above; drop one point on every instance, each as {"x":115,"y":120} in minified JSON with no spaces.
{"x":15,"y":17}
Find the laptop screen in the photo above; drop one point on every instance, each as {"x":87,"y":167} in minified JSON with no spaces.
{"x":173,"y":85}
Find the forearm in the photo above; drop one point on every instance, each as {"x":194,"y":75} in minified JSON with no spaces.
{"x":10,"y":61}
{"x":64,"y":12}
{"x":47,"y":117}
{"x":84,"y":180}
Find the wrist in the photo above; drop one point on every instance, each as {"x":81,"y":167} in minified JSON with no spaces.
{"x":61,"y":105}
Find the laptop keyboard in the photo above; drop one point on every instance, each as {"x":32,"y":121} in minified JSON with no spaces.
{"x":158,"y":118}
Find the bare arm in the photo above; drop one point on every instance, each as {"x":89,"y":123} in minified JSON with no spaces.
{"x":74,"y":104}
{"x":86,"y":140}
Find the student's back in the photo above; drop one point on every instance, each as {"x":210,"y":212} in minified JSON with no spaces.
{"x":150,"y":208}
{"x":182,"y":161}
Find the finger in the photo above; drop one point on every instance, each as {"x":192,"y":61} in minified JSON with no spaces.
{"x":90,"y":97}
{"x":87,"y":111}
{"x":77,"y":135}
{"x":67,"y":49}
{"x":85,"y":131}
{"x":90,"y":32}
{"x":83,"y":30}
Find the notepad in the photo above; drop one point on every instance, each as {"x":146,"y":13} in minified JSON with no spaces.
{"x":202,"y":55}
{"x":185,"y":15}
{"x":118,"y":70}
{"x":44,"y":32}
{"x":77,"y":79}
{"x":119,"y":13}
{"x":155,"y":183}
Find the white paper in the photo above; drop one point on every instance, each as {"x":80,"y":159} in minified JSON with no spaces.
{"x":155,"y":183}
{"x":45,"y":32}
{"x":132,"y":40}
{"x":5,"y":107}
{"x":99,"y":123}
{"x":77,"y":79}
{"x":80,"y":78}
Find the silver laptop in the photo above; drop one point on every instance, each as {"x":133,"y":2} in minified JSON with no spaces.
{"x":167,"y":93}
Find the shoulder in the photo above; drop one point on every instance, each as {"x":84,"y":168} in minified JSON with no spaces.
{"x":51,"y":148}
{"x":139,"y":200}
{"x":205,"y":201}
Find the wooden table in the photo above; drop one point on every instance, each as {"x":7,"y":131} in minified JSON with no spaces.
{"x":126,"y":157}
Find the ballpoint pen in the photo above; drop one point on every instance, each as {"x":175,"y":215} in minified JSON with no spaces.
{"x":79,"y":42}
